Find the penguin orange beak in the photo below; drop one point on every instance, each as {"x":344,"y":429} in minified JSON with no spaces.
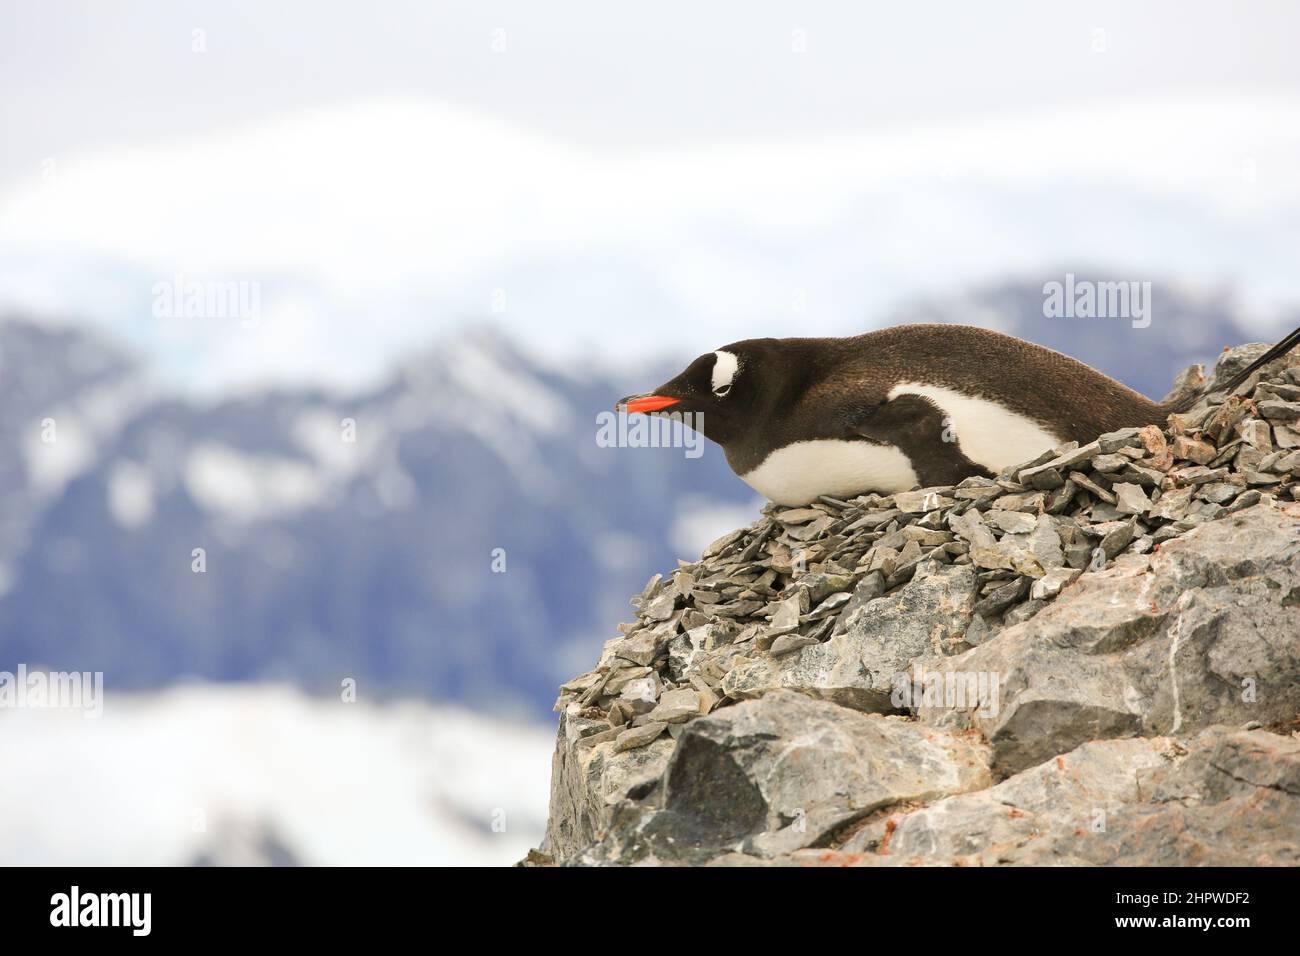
{"x":645,"y":403}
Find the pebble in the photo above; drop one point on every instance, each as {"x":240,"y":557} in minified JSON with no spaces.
{"x":635,"y":737}
{"x":796,"y":576}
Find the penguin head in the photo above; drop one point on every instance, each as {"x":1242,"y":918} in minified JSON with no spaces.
{"x":715,"y":394}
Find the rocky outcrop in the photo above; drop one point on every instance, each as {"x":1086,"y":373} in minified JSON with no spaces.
{"x":1093,"y":658}
{"x":1202,"y":632}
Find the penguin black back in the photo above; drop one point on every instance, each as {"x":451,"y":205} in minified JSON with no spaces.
{"x":887,"y":410}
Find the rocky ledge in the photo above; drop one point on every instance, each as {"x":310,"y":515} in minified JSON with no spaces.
{"x":1093,"y":658}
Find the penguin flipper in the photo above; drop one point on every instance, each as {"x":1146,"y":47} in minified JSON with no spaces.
{"x":922,"y":431}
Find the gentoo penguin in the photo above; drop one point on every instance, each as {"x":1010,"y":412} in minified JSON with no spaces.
{"x":889,"y":410}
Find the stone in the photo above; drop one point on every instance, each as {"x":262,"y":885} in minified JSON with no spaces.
{"x":1202,"y":631}
{"x":971,"y":527}
{"x":771,"y":776}
{"x":1220,"y":798}
{"x":1063,"y":462}
{"x":829,"y":607}
{"x":676,"y":705}
{"x":858,"y":666}
{"x":788,"y":612}
{"x":1117,"y":539}
{"x":1280,"y":411}
{"x":820,"y":584}
{"x":661,"y":606}
{"x":914,"y":502}
{"x":588,"y":782}
{"x":1014,"y":522}
{"x":1109,"y":463}
{"x":1112,"y":442}
{"x":1045,"y":543}
{"x":789,"y":643}
{"x":635,"y":737}
{"x":1256,"y":434}
{"x":1050,"y":584}
{"x":1083,"y":481}
{"x":1286,"y":437}
{"x":799,"y":515}
{"x":1131,"y":499}
{"x":1001,"y":597}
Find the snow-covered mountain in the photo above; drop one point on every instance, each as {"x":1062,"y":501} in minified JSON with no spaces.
{"x":457,"y":533}
{"x":311,"y":537}
{"x":372,"y":227}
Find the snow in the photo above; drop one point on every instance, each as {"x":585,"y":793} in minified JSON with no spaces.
{"x":699,"y":521}
{"x":248,"y":487}
{"x":130,"y":494}
{"x":161,"y":778}
{"x":55,"y":450}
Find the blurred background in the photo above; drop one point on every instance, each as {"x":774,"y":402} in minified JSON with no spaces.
{"x":307,"y":312}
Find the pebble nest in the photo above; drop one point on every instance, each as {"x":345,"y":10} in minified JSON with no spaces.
{"x":789,"y":579}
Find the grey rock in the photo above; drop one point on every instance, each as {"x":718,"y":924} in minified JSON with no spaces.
{"x":1201,"y":632}
{"x":1050,"y":584}
{"x":1219,"y":798}
{"x":588,"y":782}
{"x":1130,"y":499}
{"x":789,"y":643}
{"x":970,"y":526}
{"x":1045,"y":543}
{"x":927,"y":499}
{"x":857,"y":667}
{"x":870,"y":587}
{"x":676,"y":705}
{"x":771,"y":776}
{"x":635,"y":737}
{"x":1112,"y":442}
{"x":1063,"y":462}
{"x":1014,"y":522}
{"x":1280,"y":411}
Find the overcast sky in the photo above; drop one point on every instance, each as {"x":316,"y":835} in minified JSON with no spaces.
{"x":597,"y":176}
{"x":79,"y":74}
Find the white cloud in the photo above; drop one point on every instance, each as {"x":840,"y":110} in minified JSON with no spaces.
{"x":373,"y":226}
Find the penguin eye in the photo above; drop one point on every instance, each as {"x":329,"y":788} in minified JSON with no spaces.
{"x":725,"y":367}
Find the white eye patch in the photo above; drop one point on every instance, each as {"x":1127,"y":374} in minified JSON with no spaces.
{"x":725,"y":366}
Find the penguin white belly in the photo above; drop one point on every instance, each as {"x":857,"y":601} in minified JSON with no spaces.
{"x":797,"y":473}
{"x":989,"y":434}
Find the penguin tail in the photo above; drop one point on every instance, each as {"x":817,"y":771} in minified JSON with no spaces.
{"x":1191,"y":396}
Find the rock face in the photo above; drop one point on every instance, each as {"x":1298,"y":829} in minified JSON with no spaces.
{"x":1093,"y":658}
{"x":1205,"y":631}
{"x":784,"y":772}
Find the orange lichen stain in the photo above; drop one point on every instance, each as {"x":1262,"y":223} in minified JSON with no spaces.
{"x":1015,"y":814}
{"x":890,"y":826}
